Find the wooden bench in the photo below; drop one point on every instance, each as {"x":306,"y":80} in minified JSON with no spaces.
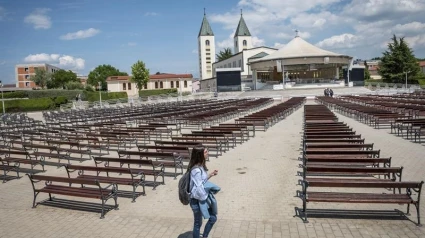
{"x":170,"y":160}
{"x":15,"y":158}
{"x":362,"y":197}
{"x":347,"y":161}
{"x":213,"y":143}
{"x":135,"y":179}
{"x":54,"y":185}
{"x":392,"y":173}
{"x":156,"y":167}
{"x":183,"y":151}
{"x":342,"y":153}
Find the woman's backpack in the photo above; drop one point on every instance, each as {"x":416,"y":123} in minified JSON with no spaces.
{"x":184,"y":187}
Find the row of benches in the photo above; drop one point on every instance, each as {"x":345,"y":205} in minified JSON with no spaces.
{"x":131,"y":168}
{"x":398,"y":122}
{"x":334,"y":156}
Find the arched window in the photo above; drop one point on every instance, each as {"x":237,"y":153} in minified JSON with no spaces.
{"x":172,"y":84}
{"x":161,"y":85}
{"x":177,"y":84}
{"x":244,"y":42}
{"x":185,"y":84}
{"x":207,"y":43}
{"x":156,"y":84}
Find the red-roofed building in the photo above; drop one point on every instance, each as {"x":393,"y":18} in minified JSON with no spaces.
{"x":156,"y":81}
{"x":422,"y":65}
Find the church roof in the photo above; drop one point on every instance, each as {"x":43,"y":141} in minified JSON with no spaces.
{"x":259,"y":55}
{"x":205,"y":28}
{"x":298,"y":48}
{"x":242,"y":29}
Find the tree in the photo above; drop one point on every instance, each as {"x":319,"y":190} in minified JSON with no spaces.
{"x":224,"y":54}
{"x":101,"y":72}
{"x":140,"y":74}
{"x":62,"y":77}
{"x":41,"y":78}
{"x":398,"y":60}
{"x":72,"y":85}
{"x":366,"y":71}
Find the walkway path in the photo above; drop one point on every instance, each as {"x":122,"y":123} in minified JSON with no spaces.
{"x":258,"y":180}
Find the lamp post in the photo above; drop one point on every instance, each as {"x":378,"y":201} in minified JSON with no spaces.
{"x":406,"y":78}
{"x":100,"y":94}
{"x":2,"y":99}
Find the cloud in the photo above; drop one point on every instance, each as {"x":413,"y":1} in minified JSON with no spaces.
{"x":39,"y":19}
{"x":3,"y":13}
{"x":339,"y":41}
{"x":131,"y":44}
{"x":82,"y":34}
{"x":330,"y":24}
{"x":61,"y":61}
{"x":151,"y":14}
{"x":278,"y":45}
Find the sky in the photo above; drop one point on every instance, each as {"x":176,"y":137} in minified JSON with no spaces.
{"x":79,"y":35}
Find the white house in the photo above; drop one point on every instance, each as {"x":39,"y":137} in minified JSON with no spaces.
{"x":181,"y":82}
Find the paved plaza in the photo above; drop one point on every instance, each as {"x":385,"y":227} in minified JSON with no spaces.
{"x":259,"y":182}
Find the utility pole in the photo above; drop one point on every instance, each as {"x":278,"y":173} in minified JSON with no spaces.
{"x":2,"y":99}
{"x":100,"y":94}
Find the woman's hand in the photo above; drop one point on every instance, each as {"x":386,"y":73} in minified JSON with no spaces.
{"x":214,"y":173}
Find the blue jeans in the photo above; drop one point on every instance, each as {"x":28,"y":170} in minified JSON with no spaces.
{"x":198,"y":220}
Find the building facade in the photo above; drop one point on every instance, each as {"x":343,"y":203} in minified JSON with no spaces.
{"x":23,"y":73}
{"x":182,"y":82}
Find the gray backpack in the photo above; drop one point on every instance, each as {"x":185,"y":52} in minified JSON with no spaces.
{"x":184,"y":188}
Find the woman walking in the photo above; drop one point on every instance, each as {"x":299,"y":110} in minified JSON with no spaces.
{"x":202,"y":200}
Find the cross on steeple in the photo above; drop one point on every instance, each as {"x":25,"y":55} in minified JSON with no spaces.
{"x":296,"y":33}
{"x":204,"y":12}
{"x":241,"y":12}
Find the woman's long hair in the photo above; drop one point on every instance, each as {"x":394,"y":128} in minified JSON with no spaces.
{"x":197,"y":158}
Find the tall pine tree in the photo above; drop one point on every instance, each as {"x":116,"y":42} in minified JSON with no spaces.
{"x":398,"y":60}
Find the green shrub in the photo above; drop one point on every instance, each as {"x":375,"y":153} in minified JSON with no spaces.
{"x":36,"y":104}
{"x":89,"y":88}
{"x":60,"y":100}
{"x":145,"y":93}
{"x":94,"y":96}
{"x":74,"y":86}
{"x":17,"y":94}
{"x":69,"y":94}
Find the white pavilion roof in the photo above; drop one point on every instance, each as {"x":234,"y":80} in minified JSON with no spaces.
{"x":298,"y":48}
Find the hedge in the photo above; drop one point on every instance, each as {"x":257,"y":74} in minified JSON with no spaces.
{"x":36,"y":104}
{"x":68,"y":94}
{"x":94,"y":96}
{"x":145,"y":93}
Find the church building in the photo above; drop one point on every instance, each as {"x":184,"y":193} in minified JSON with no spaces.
{"x":243,"y":53}
{"x":298,"y":62}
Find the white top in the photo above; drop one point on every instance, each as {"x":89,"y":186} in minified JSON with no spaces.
{"x":198,"y":176}
{"x":298,"y":48}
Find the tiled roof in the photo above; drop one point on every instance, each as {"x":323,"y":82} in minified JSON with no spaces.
{"x":422,"y":63}
{"x":170,"y":76}
{"x":115,"y":78}
{"x":153,"y":76}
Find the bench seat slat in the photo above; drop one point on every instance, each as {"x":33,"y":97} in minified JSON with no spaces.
{"x":75,"y":191}
{"x":358,"y":197}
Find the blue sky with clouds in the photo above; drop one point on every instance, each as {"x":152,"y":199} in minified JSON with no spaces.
{"x":81,"y":34}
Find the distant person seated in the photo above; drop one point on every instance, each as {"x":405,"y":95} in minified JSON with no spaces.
{"x":331,"y":92}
